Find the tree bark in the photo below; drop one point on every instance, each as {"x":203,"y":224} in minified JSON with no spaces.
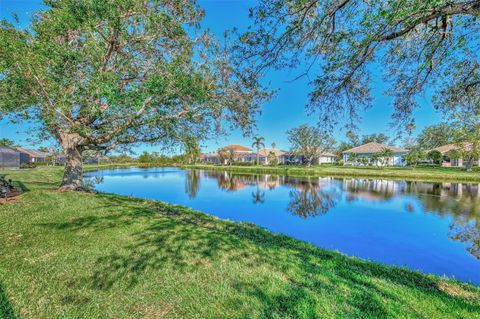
{"x":73,"y":175}
{"x":468,"y":164}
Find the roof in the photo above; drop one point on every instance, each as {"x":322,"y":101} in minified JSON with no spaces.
{"x":321,"y":154}
{"x":4,"y":149}
{"x":32,"y":153}
{"x":267,"y":151}
{"x":328,"y":154}
{"x":450,"y":147}
{"x":249,"y":155}
{"x":374,"y":147}
{"x":237,"y":148}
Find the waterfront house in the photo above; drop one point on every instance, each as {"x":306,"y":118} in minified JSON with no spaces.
{"x":9,"y":158}
{"x":211,"y":158}
{"x":238,"y":149}
{"x":326,"y":157}
{"x":295,"y":159}
{"x":241,"y":154}
{"x":368,"y":150}
{"x":454,"y":161}
{"x":267,"y":154}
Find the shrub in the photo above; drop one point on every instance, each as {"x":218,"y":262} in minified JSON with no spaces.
{"x":436,"y":157}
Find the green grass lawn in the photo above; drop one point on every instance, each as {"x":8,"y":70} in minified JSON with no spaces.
{"x":450,"y":174}
{"x":90,"y":255}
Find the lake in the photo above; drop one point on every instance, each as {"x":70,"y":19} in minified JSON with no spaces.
{"x":430,"y":227}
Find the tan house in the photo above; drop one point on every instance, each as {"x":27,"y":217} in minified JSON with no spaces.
{"x":28,"y":156}
{"x":446,"y":151}
{"x":267,"y":153}
{"x":367,"y":150}
{"x":242,"y":153}
{"x":238,"y":149}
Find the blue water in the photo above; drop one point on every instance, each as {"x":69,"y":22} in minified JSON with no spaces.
{"x":430,"y":227}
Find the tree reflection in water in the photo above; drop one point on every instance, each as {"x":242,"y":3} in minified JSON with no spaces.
{"x":459,"y":201}
{"x":467,"y":232}
{"x":310,"y":197}
{"x":192,"y":183}
{"x":258,"y":197}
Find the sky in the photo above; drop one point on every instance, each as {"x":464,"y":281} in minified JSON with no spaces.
{"x":284,"y":111}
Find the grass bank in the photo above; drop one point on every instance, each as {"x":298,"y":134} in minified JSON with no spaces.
{"x":447,"y":174}
{"x":87,"y":255}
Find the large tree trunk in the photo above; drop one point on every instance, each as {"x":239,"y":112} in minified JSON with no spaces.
{"x":72,"y":175}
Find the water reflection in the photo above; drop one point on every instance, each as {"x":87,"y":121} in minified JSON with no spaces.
{"x":192,"y":183}
{"x":311,"y":197}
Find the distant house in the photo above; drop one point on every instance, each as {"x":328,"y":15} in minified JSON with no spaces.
{"x":242,"y":153}
{"x":367,"y":151}
{"x":326,"y":157}
{"x":267,"y":154}
{"x":28,"y":156}
{"x":212,"y":158}
{"x":9,"y":158}
{"x":251,"y":158}
{"x":447,"y":150}
{"x":295,"y":159}
{"x":238,"y":149}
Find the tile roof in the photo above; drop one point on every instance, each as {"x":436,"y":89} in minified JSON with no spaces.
{"x":374,"y":147}
{"x":266,"y":152}
{"x":450,"y":147}
{"x":328,"y":154}
{"x":32,"y":153}
{"x":322,"y":154}
{"x":237,"y":147}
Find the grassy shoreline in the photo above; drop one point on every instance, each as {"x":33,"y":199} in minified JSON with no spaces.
{"x":100,"y":255}
{"x":436,"y":174}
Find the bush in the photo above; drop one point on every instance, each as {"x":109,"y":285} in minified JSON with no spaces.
{"x":436,"y":157}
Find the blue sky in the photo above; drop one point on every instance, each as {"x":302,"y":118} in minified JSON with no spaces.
{"x":284,"y":111}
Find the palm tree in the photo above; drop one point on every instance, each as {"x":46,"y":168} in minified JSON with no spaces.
{"x":273,"y":145}
{"x":258,"y":142}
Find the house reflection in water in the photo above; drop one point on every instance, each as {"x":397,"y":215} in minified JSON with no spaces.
{"x":314,"y":196}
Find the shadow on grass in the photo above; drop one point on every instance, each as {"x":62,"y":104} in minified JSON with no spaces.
{"x":6,"y":310}
{"x":174,"y":237}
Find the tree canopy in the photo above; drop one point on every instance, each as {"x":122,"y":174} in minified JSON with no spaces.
{"x":420,"y":44}
{"x":7,"y":142}
{"x":436,"y":135}
{"x":99,"y":74}
{"x":309,"y":142}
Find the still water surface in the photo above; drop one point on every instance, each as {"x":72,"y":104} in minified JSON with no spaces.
{"x":430,"y":227}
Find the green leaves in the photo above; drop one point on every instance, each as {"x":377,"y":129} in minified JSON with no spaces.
{"x":123,"y":72}
{"x":413,"y":44}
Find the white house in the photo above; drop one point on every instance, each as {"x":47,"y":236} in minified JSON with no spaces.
{"x":326,"y":157}
{"x":367,"y":151}
{"x":290,"y":158}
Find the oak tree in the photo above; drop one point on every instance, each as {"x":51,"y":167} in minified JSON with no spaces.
{"x":343,"y":44}
{"x":309,"y":142}
{"x":99,"y":74}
